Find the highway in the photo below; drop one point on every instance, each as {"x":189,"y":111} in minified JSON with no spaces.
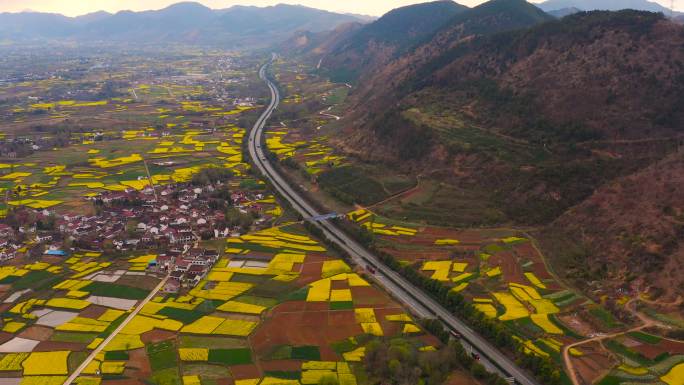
{"x":420,"y":303}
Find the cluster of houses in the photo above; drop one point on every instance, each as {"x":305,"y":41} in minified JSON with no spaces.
{"x":176,"y":216}
{"x":173,"y":217}
{"x":10,"y":245}
{"x":185,"y":269}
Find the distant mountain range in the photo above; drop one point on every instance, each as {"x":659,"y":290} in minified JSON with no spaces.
{"x":183,"y":22}
{"x":604,"y":5}
{"x":561,"y":13}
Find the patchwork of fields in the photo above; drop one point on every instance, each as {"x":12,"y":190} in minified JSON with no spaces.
{"x":503,"y":275}
{"x":277,"y":307}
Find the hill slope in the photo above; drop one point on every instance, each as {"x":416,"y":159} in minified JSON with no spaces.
{"x":380,"y":41}
{"x":486,"y":19}
{"x":572,"y":125}
{"x":314,"y":45}
{"x":379,"y":89}
{"x":539,"y":117}
{"x":630,"y":230}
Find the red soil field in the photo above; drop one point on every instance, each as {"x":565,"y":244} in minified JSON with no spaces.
{"x":51,"y":346}
{"x":138,"y":359}
{"x":280,"y":365}
{"x":431,"y":340}
{"x":510,"y":267}
{"x":652,"y":351}
{"x":4,"y":337}
{"x":319,"y":328}
{"x":156,"y":335}
{"x":92,"y":311}
{"x":241,"y":372}
{"x":593,"y":365}
{"x":368,"y":296}
{"x":310,"y":271}
{"x":421,"y":255}
{"x":38,"y":333}
{"x":338,"y":285}
{"x":126,"y":381}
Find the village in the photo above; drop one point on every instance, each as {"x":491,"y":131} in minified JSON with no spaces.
{"x":171,"y":219}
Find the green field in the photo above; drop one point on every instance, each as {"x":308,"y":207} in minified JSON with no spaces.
{"x":230,"y":357}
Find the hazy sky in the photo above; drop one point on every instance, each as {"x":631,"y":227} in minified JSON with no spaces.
{"x":79,"y":7}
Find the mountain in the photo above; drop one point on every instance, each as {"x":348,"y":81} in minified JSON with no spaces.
{"x":380,"y":41}
{"x":537,"y":117}
{"x":490,"y":18}
{"x":92,"y":17}
{"x":627,"y":231}
{"x":314,"y":45}
{"x":186,"y":22}
{"x":280,"y":19}
{"x":362,"y":18}
{"x":573,"y":126}
{"x":604,"y":5}
{"x":561,"y":13}
{"x":31,"y":24}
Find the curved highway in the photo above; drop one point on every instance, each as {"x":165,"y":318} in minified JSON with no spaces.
{"x":421,"y":304}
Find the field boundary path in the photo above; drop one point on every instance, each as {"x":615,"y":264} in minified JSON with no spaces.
{"x":421,"y":304}
{"x":109,"y":339}
{"x":646,"y":323}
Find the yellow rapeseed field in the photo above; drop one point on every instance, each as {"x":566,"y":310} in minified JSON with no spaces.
{"x":365,"y":315}
{"x":193,"y":354}
{"x":12,"y":361}
{"x":13,"y":327}
{"x":411,"y":329}
{"x":341,"y":295}
{"x":240,"y":307}
{"x":441,"y":269}
{"x":238,"y":328}
{"x":46,"y":363}
{"x":67,"y":303}
{"x":124,"y":342}
{"x":488,"y":309}
{"x":42,"y":380}
{"x":399,"y":318}
{"x":534,"y":280}
{"x":355,"y":355}
{"x":319,"y":291}
{"x":191,"y":380}
{"x":675,"y":376}
{"x":459,"y":267}
{"x":514,"y":309}
{"x":542,"y":320}
{"x":204,"y":325}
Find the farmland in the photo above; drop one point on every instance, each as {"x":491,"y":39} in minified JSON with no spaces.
{"x":445,"y":233}
{"x":130,"y":173}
